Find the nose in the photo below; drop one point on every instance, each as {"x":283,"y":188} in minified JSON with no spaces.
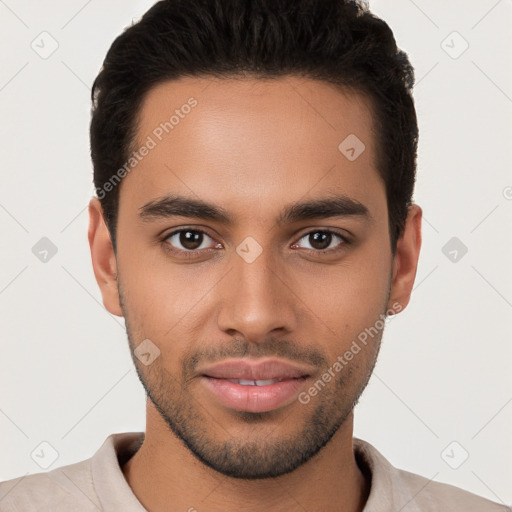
{"x":256,"y":299}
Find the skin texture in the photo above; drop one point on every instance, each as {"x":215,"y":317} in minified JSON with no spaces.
{"x":252,"y":147}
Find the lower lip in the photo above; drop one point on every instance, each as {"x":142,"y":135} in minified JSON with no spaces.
{"x":254,"y":398}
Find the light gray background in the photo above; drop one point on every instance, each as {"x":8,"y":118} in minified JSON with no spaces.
{"x":443,"y":375}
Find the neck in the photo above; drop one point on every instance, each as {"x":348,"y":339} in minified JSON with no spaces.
{"x":166,"y":476}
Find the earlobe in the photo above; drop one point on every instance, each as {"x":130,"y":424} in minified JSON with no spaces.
{"x":103,"y":258}
{"x":405,"y":262}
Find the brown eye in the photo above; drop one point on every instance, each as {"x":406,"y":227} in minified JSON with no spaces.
{"x":322,"y":240}
{"x":187,"y":239}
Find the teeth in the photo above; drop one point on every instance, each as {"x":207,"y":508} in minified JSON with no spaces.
{"x":265,"y":382}
{"x":247,"y":382}
{"x":244,"y":382}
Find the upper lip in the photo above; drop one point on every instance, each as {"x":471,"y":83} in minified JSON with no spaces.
{"x":246,"y":369}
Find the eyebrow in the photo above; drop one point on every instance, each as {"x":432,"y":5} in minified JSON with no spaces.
{"x":180,"y":206}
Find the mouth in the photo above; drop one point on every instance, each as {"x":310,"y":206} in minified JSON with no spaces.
{"x":254,"y":386}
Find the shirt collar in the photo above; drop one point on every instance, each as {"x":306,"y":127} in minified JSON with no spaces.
{"x":387,"y":492}
{"x":112,"y":489}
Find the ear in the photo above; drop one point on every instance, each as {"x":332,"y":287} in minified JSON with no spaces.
{"x":103,"y":258}
{"x":405,"y":262}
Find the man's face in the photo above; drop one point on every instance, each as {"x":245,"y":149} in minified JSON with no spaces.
{"x":257,"y":288}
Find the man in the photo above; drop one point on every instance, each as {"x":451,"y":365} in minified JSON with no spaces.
{"x":254,"y":164}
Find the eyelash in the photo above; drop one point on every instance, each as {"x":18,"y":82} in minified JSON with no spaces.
{"x":195,"y":252}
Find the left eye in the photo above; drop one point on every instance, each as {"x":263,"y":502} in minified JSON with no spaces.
{"x":322,"y":240}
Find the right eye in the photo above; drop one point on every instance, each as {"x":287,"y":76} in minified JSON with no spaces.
{"x":187,"y":240}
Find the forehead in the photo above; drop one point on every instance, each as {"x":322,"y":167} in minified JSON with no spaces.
{"x":253,"y":143}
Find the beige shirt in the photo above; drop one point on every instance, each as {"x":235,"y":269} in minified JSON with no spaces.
{"x":98,"y":484}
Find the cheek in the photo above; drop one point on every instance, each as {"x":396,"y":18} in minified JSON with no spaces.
{"x":347,"y":299}
{"x":162,"y":298}
{"x":355,"y":288}
{"x":345,"y":313}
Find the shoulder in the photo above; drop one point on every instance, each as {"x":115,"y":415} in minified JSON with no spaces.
{"x":410,"y":492}
{"x":429,"y":495}
{"x":93,"y":484}
{"x":62,"y":489}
